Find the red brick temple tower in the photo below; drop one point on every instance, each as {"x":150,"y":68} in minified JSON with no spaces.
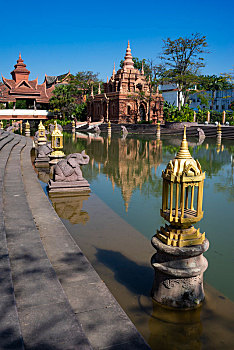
{"x":122,"y":100}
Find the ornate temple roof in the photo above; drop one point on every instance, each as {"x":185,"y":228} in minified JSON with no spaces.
{"x":56,"y":79}
{"x":20,"y":70}
{"x":20,"y":87}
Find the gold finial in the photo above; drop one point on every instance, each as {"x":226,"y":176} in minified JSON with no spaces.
{"x":184,"y":151}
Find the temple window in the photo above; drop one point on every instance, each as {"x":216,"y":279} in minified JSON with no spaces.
{"x":129,"y":110}
{"x":139,"y":87}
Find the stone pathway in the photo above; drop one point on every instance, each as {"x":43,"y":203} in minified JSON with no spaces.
{"x":50,"y":295}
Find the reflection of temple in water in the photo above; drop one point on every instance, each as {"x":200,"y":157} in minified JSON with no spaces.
{"x":127,"y":163}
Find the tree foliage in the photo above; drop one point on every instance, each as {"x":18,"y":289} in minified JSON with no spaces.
{"x":211,"y":83}
{"x":181,"y":60}
{"x":82,"y":82}
{"x":70,"y":99}
{"x":62,"y":102}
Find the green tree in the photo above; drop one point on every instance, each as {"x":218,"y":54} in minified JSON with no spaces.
{"x":181,"y":60}
{"x":62,"y":103}
{"x":69,"y":99}
{"x":213,"y":83}
{"x":82,"y":83}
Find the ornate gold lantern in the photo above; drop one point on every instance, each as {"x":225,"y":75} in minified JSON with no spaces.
{"x":182,"y":198}
{"x":27,"y":128}
{"x":57,"y":142}
{"x":1,"y":125}
{"x":42,"y":139}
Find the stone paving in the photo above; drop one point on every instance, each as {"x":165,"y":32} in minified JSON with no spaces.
{"x":51,"y":297}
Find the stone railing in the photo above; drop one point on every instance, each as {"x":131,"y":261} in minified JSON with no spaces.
{"x":24,"y":113}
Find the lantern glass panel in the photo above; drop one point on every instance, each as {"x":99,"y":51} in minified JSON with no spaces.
{"x":57,"y":141}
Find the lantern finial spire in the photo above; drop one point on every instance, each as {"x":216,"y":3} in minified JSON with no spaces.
{"x":184,"y":151}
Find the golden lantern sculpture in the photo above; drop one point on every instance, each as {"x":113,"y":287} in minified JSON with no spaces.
{"x":182,"y":199}
{"x":1,"y":125}
{"x":57,"y":142}
{"x":42,"y":139}
{"x":27,"y":128}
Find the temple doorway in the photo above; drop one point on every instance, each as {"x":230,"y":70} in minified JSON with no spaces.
{"x":142,"y":112}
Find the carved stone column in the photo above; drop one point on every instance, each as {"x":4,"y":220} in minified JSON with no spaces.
{"x":179,"y":272}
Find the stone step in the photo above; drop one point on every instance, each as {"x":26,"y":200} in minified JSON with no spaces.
{"x":6,"y":138}
{"x":105,"y":324}
{"x":47,"y":320}
{"x":10,"y":332}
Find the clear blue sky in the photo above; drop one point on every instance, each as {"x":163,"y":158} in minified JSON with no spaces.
{"x":55,"y":36}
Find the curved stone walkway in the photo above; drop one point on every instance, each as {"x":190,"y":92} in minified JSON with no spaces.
{"x":51,"y":297}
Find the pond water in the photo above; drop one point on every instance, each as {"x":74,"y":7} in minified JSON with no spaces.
{"x":114,"y":225}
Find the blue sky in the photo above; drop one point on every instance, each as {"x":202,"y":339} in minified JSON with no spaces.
{"x":55,"y":36}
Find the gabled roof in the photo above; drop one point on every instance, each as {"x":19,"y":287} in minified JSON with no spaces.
{"x":55,"y":79}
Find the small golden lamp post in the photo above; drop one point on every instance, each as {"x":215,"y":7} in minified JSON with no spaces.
{"x":182,"y":198}
{"x":1,"y":125}
{"x":179,"y":262}
{"x":27,"y":128}
{"x":57,"y":142}
{"x":42,"y":139}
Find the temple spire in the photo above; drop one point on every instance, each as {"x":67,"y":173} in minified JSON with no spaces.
{"x":92,"y":90}
{"x":184,"y":151}
{"x":113,"y":74}
{"x":128,"y":62}
{"x":20,"y":72}
{"x":99,"y":89}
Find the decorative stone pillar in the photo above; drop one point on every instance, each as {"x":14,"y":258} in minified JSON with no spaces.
{"x":107,"y":110}
{"x":179,"y":263}
{"x":218,"y":137}
{"x":73,"y":126}
{"x":208,"y":117}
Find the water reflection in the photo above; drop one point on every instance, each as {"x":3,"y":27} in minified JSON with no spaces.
{"x":126,"y":173}
{"x":170,"y":329}
{"x":69,"y":206}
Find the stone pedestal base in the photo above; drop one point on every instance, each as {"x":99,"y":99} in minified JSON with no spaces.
{"x":55,"y":159}
{"x":42,"y":162}
{"x":178,"y":281}
{"x":62,"y":186}
{"x":41,"y":143}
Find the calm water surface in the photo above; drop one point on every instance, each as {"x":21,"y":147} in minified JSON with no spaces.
{"x":114,"y":225}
